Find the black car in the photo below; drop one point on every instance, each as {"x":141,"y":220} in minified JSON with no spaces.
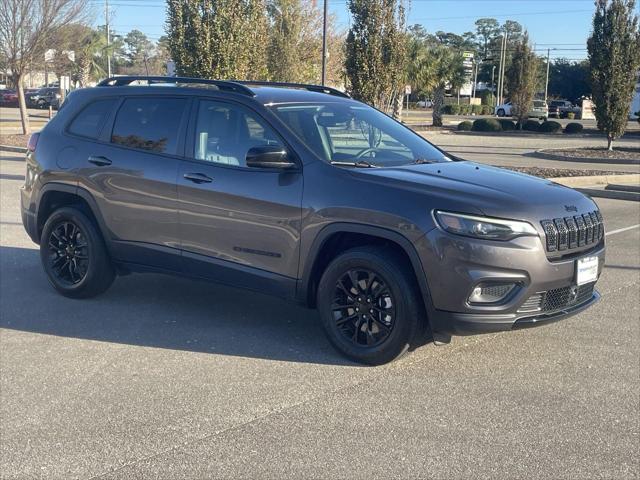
{"x":302,"y":192}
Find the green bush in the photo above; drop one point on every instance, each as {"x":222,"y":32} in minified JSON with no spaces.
{"x":488,"y":98}
{"x":465,"y":126}
{"x":571,"y":115}
{"x":455,"y":109}
{"x":549,"y":126}
{"x":507,"y":124}
{"x":465,"y":109}
{"x":486,"y":125}
{"x":573,"y":127}
{"x":476,"y":109}
{"x":531,"y":125}
{"x":487,"y":110}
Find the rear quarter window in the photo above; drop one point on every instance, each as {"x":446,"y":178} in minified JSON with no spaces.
{"x":89,"y":122}
{"x":149,"y":123}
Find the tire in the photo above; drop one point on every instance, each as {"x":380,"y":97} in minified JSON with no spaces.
{"x":386,"y":330}
{"x":500,"y":112}
{"x":74,"y":256}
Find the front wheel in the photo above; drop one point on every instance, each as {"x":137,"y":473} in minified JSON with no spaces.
{"x":501,"y":112}
{"x":74,"y":256}
{"x":369,"y":305}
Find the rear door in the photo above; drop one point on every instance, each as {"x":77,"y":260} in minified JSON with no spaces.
{"x":238,"y":224}
{"x":132,"y":173}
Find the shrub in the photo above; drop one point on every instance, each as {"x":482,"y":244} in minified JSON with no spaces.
{"x":573,"y":127}
{"x":486,"y":125}
{"x":571,"y":115}
{"x":465,"y":109}
{"x":507,"y":124}
{"x":465,"y":126}
{"x":446,"y":110}
{"x":549,"y":126}
{"x":455,"y":109}
{"x":488,"y":98}
{"x":531,"y":125}
{"x":487,"y":110}
{"x":476,"y":109}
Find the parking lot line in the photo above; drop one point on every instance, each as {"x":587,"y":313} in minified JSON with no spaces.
{"x":620,"y":230}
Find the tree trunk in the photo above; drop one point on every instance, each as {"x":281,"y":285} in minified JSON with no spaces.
{"x":438,"y":101}
{"x":24,"y":115}
{"x":397,"y":106}
{"x":609,"y":143}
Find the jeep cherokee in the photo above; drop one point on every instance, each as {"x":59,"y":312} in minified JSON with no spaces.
{"x":300,"y":191}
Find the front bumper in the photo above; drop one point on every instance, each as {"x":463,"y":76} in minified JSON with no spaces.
{"x":455,"y":265}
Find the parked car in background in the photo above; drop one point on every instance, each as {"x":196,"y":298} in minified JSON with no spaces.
{"x":539,"y":109}
{"x":8,"y":98}
{"x":45,"y":97}
{"x":424,"y":104}
{"x":560,"y":108}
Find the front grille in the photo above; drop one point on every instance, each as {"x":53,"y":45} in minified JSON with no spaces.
{"x":571,"y":232}
{"x":557,"y":299}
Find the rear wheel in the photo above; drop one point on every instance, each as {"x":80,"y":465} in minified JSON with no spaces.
{"x":501,"y":112}
{"x":369,"y":305}
{"x":74,"y":256}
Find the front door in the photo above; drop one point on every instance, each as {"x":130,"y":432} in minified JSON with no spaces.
{"x":239,"y":225}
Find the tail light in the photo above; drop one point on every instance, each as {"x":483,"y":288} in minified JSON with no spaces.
{"x":33,"y":142}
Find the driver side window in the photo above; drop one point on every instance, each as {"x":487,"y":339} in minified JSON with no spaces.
{"x":226,"y":132}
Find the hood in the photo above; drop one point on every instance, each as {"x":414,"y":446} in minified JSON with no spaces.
{"x":473,"y":187}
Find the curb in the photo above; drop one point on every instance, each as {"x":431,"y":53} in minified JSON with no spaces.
{"x":594,"y":192}
{"x":10,"y":148}
{"x":544,"y":154}
{"x":591,"y":180}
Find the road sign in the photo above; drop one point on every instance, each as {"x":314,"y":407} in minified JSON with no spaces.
{"x":407,"y":89}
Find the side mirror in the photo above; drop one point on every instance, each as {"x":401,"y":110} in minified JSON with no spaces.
{"x":269,"y":156}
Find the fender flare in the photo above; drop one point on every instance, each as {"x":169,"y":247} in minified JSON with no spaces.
{"x":304,"y":283}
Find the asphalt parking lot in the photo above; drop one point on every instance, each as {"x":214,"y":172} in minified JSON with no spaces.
{"x":169,"y":378}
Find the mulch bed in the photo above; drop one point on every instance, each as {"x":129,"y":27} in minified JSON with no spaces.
{"x":14,"y":140}
{"x":561,"y":172}
{"x":621,"y":153}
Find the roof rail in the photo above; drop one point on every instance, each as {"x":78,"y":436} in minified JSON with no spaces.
{"x":305,"y":86}
{"x":220,"y":84}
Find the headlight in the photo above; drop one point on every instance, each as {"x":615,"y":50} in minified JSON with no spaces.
{"x":483,"y":227}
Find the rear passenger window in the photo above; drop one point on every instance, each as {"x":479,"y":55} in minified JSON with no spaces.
{"x":149,"y":123}
{"x":89,"y":122}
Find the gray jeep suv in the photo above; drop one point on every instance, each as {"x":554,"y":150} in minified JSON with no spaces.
{"x":302,"y":192}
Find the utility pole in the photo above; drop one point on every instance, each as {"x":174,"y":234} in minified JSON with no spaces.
{"x":546,"y":85}
{"x":106,"y":17}
{"x":498,"y":88}
{"x":503,"y":61}
{"x":324,"y":43}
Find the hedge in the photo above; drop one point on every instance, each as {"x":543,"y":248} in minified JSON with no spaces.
{"x":486,"y":125}
{"x":466,"y":125}
{"x":573,"y":127}
{"x":507,"y":124}
{"x":531,"y":125}
{"x":549,"y":126}
{"x":476,"y":109}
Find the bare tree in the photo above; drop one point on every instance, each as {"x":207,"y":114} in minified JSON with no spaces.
{"x":26,"y":27}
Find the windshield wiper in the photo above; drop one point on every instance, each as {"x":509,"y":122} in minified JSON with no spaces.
{"x":358,"y":164}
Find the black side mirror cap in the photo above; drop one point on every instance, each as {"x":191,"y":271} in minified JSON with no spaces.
{"x":269,"y":156}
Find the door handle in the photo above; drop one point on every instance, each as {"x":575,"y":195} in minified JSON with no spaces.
{"x":198,"y":178}
{"x":99,"y":161}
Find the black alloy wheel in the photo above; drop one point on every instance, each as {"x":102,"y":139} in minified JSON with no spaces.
{"x":68,"y":253}
{"x":363,"y":307}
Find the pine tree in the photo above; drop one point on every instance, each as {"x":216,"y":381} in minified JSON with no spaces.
{"x":614,"y":57}
{"x":522,"y":79}
{"x":376,"y":52}
{"x":218,"y":38}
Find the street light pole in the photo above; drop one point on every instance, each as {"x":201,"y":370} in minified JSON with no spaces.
{"x":324,"y":43}
{"x":546,"y":85}
{"x":106,"y":16}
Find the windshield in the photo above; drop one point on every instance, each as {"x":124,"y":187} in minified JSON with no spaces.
{"x":350,"y":133}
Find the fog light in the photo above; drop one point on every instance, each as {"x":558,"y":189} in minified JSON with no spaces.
{"x":490,"y":292}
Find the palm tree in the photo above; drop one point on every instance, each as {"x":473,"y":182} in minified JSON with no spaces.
{"x":92,"y":51}
{"x":433,"y":67}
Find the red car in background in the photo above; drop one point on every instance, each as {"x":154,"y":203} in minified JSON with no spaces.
{"x":8,"y":98}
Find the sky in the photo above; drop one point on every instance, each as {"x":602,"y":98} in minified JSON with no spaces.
{"x":560,"y":25}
